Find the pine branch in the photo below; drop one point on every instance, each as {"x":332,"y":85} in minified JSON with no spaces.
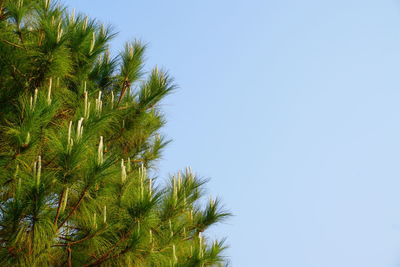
{"x":12,"y":44}
{"x":69,"y":250}
{"x":125,"y":86}
{"x":74,"y":208}
{"x":107,"y":255}
{"x":60,"y":200}
{"x":71,"y":243}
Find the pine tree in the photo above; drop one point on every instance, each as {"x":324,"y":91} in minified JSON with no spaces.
{"x":79,"y":143}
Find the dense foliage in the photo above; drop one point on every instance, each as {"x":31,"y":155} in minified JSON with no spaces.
{"x":79,"y":141}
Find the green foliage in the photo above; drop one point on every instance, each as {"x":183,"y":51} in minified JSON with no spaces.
{"x":79,"y":141}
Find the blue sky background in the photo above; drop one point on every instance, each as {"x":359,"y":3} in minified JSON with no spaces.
{"x":292,"y":108}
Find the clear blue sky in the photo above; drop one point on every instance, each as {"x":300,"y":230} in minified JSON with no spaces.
{"x":292,"y":108}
